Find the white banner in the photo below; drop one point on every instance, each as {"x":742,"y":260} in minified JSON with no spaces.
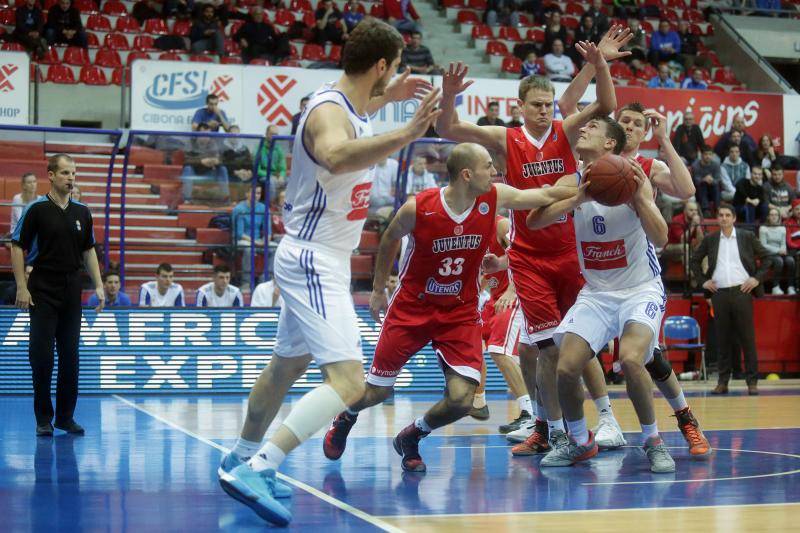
{"x":15,"y":74}
{"x":166,"y":94}
{"x":791,"y":124}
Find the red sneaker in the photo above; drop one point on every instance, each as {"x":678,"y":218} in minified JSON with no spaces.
{"x":698,"y":443}
{"x":536,"y":443}
{"x":336,"y":438}
{"x":406,"y":444}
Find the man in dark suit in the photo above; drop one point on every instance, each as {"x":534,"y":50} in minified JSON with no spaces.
{"x":732,"y":278}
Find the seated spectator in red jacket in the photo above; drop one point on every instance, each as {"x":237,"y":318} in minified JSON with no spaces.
{"x":330,"y":27}
{"x":793,"y":233}
{"x":29,"y":31}
{"x":402,"y":15}
{"x":684,"y":226}
{"x":64,"y":25}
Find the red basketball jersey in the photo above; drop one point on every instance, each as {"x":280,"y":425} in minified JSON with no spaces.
{"x":443,"y":258}
{"x":646,"y":162}
{"x":497,"y":282}
{"x":533,"y":164}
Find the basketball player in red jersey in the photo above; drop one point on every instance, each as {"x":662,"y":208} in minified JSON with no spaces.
{"x":437,"y":300}
{"x":543,"y":263}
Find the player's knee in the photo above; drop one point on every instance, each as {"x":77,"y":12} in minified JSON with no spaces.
{"x":659,"y":368}
{"x":630,"y":359}
{"x":568,"y":370}
{"x":526,"y":351}
{"x":350,"y":388}
{"x":460,"y":398}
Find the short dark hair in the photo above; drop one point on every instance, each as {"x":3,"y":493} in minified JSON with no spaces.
{"x":493,"y":104}
{"x":776,"y":166}
{"x":222,"y":269}
{"x":26,"y":175}
{"x":165,"y":267}
{"x":370,"y":41}
{"x":635,"y":107}
{"x":727,"y":206}
{"x":413,"y":33}
{"x":54,"y":160}
{"x":305,"y":99}
{"x":613,"y":131}
{"x":210,"y":96}
{"x":706,"y":148}
{"x":109,"y":273}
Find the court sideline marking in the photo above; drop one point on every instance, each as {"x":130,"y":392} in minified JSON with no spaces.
{"x":375,"y":521}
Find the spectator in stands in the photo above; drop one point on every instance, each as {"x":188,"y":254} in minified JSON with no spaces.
{"x":23,"y":199}
{"x":553,"y":32}
{"x":219,"y":292}
{"x":637,"y":46}
{"x":600,"y":18}
{"x":502,"y":12}
{"x":779,"y":193}
{"x":418,"y":58}
{"x":146,"y":9}
{"x":179,"y":9}
{"x":207,"y":33}
{"x":402,"y":15}
{"x":382,"y":194}
{"x":277,"y":165}
{"x":296,"y":116}
{"x":492,"y":117}
{"x":163,"y":292}
{"x":76,"y":193}
{"x":688,"y":224}
{"x":202,"y":163}
{"x":257,"y":38}
{"x":353,"y":14}
{"x":211,"y":115}
{"x":530,"y":66}
{"x":735,"y":166}
{"x":767,"y":8}
{"x":689,"y":42}
{"x":516,"y":117}
{"x":29,"y":29}
{"x":624,"y":9}
{"x":732,"y":278}
{"x":276,"y":214}
{"x":240,"y":219}
{"x":665,"y":44}
{"x":558,"y":66}
{"x":419,"y":178}
{"x":266,"y":294}
{"x":330,"y":27}
{"x":64,"y":25}
{"x":587,"y":31}
{"x":707,"y":175}
{"x":793,"y":236}
{"x":748,"y":147}
{"x":111,"y":286}
{"x":766,"y":154}
{"x":663,"y":80}
{"x":773,"y":236}
{"x":751,"y":200}
{"x":695,"y":81}
{"x":238,"y":159}
{"x":688,"y":138}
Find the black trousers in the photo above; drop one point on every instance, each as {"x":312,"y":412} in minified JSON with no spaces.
{"x":55,"y":322}
{"x":733,"y":316}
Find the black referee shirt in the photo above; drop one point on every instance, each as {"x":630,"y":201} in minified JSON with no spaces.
{"x":55,"y":238}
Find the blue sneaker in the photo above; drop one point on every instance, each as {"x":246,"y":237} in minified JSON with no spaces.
{"x":256,"y":490}
{"x":231,"y":461}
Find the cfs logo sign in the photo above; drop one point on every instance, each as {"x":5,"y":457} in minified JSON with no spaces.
{"x":359,"y":201}
{"x":185,"y":90}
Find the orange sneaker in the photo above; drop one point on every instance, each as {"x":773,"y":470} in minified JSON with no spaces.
{"x":536,"y":443}
{"x":698,"y":443}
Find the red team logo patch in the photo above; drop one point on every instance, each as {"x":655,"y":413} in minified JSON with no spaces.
{"x":604,"y":255}
{"x":458,"y":230}
{"x":359,"y":201}
{"x":269,"y":98}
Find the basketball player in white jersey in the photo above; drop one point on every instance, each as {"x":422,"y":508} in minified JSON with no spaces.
{"x":623,"y":297}
{"x":162,"y":292}
{"x":220,"y":292}
{"x":327,"y":199}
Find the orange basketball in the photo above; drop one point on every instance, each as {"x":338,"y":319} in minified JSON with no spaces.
{"x":612,"y":181}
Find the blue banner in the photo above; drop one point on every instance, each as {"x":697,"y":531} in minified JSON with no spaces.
{"x":190,"y":350}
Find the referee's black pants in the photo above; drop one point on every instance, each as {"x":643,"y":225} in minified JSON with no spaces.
{"x":55,"y":321}
{"x":733,"y":317}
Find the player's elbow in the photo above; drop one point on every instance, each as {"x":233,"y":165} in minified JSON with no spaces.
{"x":660,"y":237}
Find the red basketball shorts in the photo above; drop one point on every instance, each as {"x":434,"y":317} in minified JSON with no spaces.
{"x":505,"y":330}
{"x":455,"y":335}
{"x":546,"y":287}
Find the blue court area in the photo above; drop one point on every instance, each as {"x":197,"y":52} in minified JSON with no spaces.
{"x":149,"y":464}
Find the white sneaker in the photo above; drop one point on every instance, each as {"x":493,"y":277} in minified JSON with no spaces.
{"x":790,"y":291}
{"x":522,"y":433}
{"x":608,"y":434}
{"x":777,"y":291}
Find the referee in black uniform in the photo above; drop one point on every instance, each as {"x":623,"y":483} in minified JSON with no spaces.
{"x":57,"y":233}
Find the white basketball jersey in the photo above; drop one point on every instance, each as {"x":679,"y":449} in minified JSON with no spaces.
{"x":613,"y":249}
{"x":150,"y":297}
{"x":324,"y":210}
{"x":208,"y":297}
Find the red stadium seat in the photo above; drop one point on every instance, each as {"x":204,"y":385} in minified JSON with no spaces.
{"x":231,"y":60}
{"x":509,"y":33}
{"x":236,"y":24}
{"x":536,"y":35}
{"x":313,"y":52}
{"x":201,"y":58}
{"x":467,"y":17}
{"x":621,"y":70}
{"x":60,"y":74}
{"x":479,"y":5}
{"x":144,"y":42}
{"x":169,"y":56}
{"x":136,"y":54}
{"x":8,"y":17}
{"x":75,"y":55}
{"x":50,"y":56}
{"x":716,"y":88}
{"x":85,"y":6}
{"x":637,"y":83}
{"x":647,"y":27}
{"x":693,"y":15}
{"x":726,"y":76}
{"x":156,"y":27}
{"x":116,"y":41}
{"x":300,"y":5}
{"x":524,"y":20}
{"x":232,"y":47}
{"x":98,"y":22}
{"x":359,"y":8}
{"x":377,"y":11}
{"x":128,"y":25}
{"x":671,"y":16}
{"x":93,"y":75}
{"x":496,"y":48}
{"x":453,"y":3}
{"x":260,"y":61}
{"x":108,"y":58}
{"x":284,"y":17}
{"x":92,"y":40}
{"x":12,"y":47}
{"x":574,"y":8}
{"x":511,"y":64}
{"x":570,"y":22}
{"x":114,"y":7}
{"x":290,"y":63}
{"x":116,"y":76}
{"x":482,"y":31}
{"x":335,"y":53}
{"x":182,"y":28}
{"x":677,"y":4}
{"x":648,"y":72}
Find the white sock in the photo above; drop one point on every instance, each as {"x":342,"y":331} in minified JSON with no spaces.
{"x":524,"y":403}
{"x":541,"y":412}
{"x":479,"y":400}
{"x":422,"y":425}
{"x":556,"y":425}
{"x":604,"y":406}
{"x":649,"y":430}
{"x":270,"y":456}
{"x":245,"y":449}
{"x":577,"y":429}
{"x":678,"y":402}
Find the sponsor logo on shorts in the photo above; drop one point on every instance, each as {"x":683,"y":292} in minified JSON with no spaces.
{"x":651,"y":310}
{"x":483,"y":208}
{"x":533,"y":328}
{"x":443,"y":289}
{"x":604,"y":255}
{"x":543,"y":168}
{"x":375,"y":371}
{"x":459,"y":242}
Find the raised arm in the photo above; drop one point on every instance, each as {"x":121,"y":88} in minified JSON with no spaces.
{"x":544,"y":216}
{"x":401,"y":88}
{"x":512,"y":198}
{"x":331,"y":139}
{"x":401,"y":225}
{"x":606,"y":97}
{"x":450,"y":127}
{"x":654,"y":225}
{"x":673,"y":178}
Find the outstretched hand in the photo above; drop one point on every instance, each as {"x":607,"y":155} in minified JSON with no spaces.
{"x":427,"y":113}
{"x":658,"y":123}
{"x":405,"y":87}
{"x":590,"y":52}
{"x":615,"y":38}
{"x":453,"y":82}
